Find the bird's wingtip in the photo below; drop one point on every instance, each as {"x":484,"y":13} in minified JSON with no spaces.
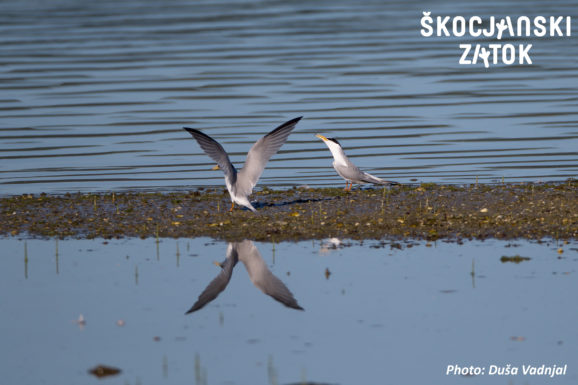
{"x":294,"y":120}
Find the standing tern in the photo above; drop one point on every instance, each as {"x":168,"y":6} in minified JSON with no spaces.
{"x":346,"y":169}
{"x":240,"y":183}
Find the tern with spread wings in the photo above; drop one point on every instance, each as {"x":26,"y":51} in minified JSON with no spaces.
{"x":240,"y":183}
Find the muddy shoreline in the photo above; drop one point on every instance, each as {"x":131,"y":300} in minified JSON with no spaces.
{"x":427,"y":211}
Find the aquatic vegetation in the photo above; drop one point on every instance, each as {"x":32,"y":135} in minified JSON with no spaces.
{"x":101,"y":371}
{"x":514,"y":259}
{"x":428,"y":211}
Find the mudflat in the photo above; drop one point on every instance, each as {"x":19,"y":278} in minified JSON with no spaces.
{"x":426,"y":211}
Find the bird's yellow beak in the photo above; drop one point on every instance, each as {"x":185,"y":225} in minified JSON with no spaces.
{"x":216,"y":168}
{"x":321,"y":137}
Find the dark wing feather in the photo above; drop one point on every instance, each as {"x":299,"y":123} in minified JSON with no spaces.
{"x":214,"y":150}
{"x":217,"y":285}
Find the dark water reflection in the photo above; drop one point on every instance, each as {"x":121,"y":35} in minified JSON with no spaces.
{"x":259,"y":273}
{"x":94,"y":94}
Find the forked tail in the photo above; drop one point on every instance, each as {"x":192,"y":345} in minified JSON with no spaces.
{"x":368,"y":178}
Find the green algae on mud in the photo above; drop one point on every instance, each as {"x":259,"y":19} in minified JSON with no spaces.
{"x":428,"y":211}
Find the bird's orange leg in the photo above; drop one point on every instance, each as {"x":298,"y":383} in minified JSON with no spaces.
{"x":346,"y":185}
{"x":232,"y":206}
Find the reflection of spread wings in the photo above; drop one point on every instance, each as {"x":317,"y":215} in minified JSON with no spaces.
{"x":258,"y":271}
{"x":220,"y":282}
{"x":262,"y":277}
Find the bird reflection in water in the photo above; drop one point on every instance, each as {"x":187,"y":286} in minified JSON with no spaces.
{"x":259,"y":274}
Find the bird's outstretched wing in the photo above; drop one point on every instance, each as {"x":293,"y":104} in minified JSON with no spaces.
{"x":262,"y":151}
{"x":219,"y":283}
{"x":214,"y":150}
{"x":262,"y":277}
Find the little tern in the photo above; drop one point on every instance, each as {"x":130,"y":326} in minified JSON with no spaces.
{"x":346,"y":169}
{"x":240,"y":183}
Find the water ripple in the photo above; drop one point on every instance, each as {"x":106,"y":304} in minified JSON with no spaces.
{"x":98,"y":92}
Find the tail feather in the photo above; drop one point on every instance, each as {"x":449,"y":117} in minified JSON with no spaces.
{"x":368,"y":178}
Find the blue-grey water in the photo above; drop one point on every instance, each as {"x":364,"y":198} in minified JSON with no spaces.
{"x":93,"y":95}
{"x":385,"y":313}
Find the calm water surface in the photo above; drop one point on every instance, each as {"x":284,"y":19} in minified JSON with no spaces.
{"x":385,"y":313}
{"x":93,"y":95}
